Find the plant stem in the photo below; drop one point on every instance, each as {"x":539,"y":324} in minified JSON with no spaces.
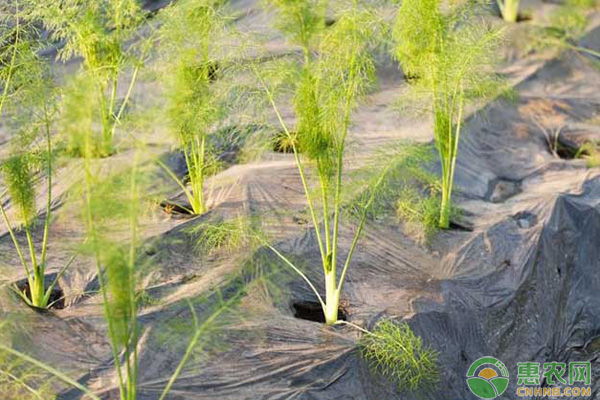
{"x":16,"y":244}
{"x":49,"y":194}
{"x":196,"y":172}
{"x":133,"y":224}
{"x":309,"y":201}
{"x":126,"y":99}
{"x":454,"y":157}
{"x":332,"y":297}
{"x":509,"y":9}
{"x":37,"y":290}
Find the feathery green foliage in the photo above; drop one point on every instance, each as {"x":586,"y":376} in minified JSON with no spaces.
{"x":18,"y":176}
{"x":22,"y":381}
{"x":394,"y":351}
{"x":190,"y":35}
{"x":109,"y":206}
{"x":337,"y":70}
{"x":77,"y":117}
{"x":509,"y":9}
{"x":222,"y":234}
{"x":301,"y":21}
{"x":112,"y":208}
{"x":98,"y":32}
{"x":419,"y":212}
{"x":569,"y":21}
{"x":451,"y":53}
{"x":567,"y":25}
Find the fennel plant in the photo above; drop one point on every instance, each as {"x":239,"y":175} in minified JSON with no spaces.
{"x":451,"y":53}
{"x":27,"y":106}
{"x":190,"y":39}
{"x":330,"y":79}
{"x":112,"y":206}
{"x":98,"y":32}
{"x":106,"y":204}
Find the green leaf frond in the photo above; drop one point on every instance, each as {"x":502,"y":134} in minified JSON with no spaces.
{"x":395,"y":352}
{"x":19,"y":379}
{"x":79,"y":109}
{"x":301,"y":21}
{"x":92,"y":30}
{"x":327,"y":89}
{"x":18,"y":174}
{"x":120,"y":286}
{"x":444,"y":53}
{"x":224,"y":235}
{"x":346,"y":67}
{"x":570,"y":20}
{"x":195,"y":78}
{"x":404,"y":163}
{"x":312,"y":138}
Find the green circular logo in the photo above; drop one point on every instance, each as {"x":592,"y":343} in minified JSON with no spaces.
{"x":487,"y":378}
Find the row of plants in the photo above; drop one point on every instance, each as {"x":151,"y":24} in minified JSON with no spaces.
{"x":449,"y":50}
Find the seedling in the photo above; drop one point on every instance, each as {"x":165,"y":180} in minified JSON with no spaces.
{"x":452,"y":56}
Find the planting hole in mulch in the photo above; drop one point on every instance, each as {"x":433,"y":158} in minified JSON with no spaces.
{"x":525,"y":219}
{"x":312,"y":311}
{"x":460,"y":226}
{"x":57,"y":298}
{"x":568,"y":150}
{"x":175,"y":210}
